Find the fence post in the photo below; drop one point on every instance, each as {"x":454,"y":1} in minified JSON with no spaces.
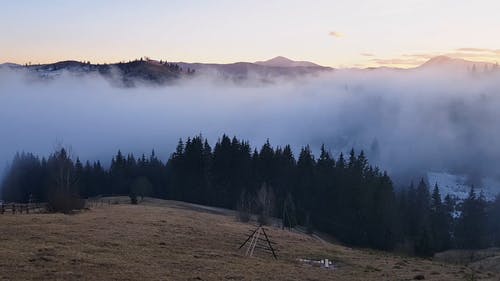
{"x":2,"y":210}
{"x":13,"y":208}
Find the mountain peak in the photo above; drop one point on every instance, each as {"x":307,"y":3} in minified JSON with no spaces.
{"x":450,"y":62}
{"x":281,"y":61}
{"x":439,"y":60}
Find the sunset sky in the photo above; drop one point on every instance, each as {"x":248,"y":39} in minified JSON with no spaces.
{"x":352,"y":33}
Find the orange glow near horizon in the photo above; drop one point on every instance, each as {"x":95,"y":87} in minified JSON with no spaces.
{"x":355,"y":33}
{"x":402,"y":61}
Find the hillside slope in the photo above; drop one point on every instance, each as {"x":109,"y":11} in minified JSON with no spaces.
{"x":165,"y":240}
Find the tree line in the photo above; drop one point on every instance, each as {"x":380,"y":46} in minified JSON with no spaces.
{"x":343,"y":196}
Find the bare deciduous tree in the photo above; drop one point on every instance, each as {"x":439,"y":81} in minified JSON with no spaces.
{"x":265,"y":201}
{"x":63,"y":196}
{"x":244,"y":207}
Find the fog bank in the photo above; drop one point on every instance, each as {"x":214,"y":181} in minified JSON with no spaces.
{"x":408,"y":122}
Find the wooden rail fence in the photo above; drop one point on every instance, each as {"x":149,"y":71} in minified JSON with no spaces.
{"x":37,"y":208}
{"x":19,"y":208}
{"x":104,"y":201}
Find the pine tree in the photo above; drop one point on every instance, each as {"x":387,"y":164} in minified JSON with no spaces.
{"x":284,"y":178}
{"x":305,"y":186}
{"x":423,"y":239}
{"x":175,"y":170}
{"x":266,"y":164}
{"x":349,"y":199}
{"x":471,"y":224}
{"x":439,"y":220}
{"x":325,"y":177}
{"x":494,"y":221}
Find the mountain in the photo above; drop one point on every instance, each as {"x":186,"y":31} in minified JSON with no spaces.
{"x":448,"y":63}
{"x":11,"y":65}
{"x":263,"y":71}
{"x":242,"y":71}
{"x":285,"y":62}
{"x":126,"y":74}
{"x":130,"y":73}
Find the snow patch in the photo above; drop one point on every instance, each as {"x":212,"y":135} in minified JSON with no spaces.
{"x":457,"y":186}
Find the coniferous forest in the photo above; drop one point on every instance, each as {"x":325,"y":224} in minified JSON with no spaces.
{"x":343,"y":196}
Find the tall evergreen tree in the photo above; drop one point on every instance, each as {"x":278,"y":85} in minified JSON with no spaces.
{"x":439,"y":222}
{"x":305,"y":185}
{"x":471,"y":225}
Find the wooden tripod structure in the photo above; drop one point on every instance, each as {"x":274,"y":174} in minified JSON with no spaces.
{"x":258,"y":235}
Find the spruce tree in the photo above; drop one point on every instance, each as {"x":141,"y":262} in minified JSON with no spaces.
{"x":439,"y":220}
{"x":471,"y":224}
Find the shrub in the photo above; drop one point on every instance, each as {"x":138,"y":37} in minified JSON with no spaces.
{"x":133,"y":198}
{"x":142,"y":187}
{"x":63,"y":202}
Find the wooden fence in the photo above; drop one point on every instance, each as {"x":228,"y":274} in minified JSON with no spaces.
{"x":18,"y":208}
{"x":37,"y":208}
{"x":101,"y":201}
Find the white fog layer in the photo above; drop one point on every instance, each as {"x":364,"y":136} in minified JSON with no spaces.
{"x":408,"y":122}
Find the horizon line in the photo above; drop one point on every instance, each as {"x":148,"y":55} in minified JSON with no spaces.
{"x":394,"y":65}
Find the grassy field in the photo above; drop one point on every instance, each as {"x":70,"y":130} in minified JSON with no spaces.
{"x":165,"y":240}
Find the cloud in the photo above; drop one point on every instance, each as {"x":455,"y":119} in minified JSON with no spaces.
{"x":408,"y":60}
{"x":471,"y":55}
{"x":422,"y":120}
{"x":398,"y":62}
{"x":425,"y":56}
{"x":415,"y":59}
{"x":461,"y":55}
{"x":367,"y":54}
{"x":479,"y":50}
{"x":335,"y":34}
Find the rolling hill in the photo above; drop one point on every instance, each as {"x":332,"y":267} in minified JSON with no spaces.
{"x":169,"y":240}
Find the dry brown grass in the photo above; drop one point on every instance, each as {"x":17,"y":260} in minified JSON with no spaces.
{"x":163,"y":240}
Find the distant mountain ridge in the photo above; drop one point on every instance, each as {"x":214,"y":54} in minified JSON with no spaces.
{"x":130,"y":73}
{"x":264,"y":71}
{"x":149,"y":71}
{"x":286,"y":62}
{"x":126,"y":74}
{"x":9,"y":64}
{"x":449,"y":62}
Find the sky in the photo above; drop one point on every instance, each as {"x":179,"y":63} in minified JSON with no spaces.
{"x":352,"y":33}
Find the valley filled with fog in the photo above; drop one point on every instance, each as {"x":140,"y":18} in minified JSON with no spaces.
{"x":408,"y":122}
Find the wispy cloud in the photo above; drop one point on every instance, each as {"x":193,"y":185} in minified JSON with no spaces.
{"x":335,"y":34}
{"x":482,"y":51}
{"x":424,"y":56}
{"x":367,"y":54}
{"x":477,"y":50}
{"x":398,"y":62}
{"x":472,"y":55}
{"x":415,"y":59}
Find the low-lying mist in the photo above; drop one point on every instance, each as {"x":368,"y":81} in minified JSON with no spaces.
{"x":408,"y":122}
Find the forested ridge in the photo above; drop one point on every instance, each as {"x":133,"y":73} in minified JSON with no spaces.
{"x":343,"y":196}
